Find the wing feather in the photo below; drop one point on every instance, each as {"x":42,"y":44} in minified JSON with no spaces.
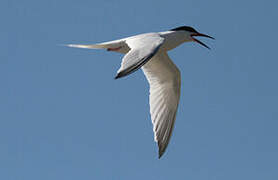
{"x":164,"y":79}
{"x":142,"y":49}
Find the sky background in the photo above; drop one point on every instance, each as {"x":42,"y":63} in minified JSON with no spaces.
{"x":63,"y":116}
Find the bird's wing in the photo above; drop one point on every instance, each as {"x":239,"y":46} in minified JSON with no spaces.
{"x":165,"y":81}
{"x":142,"y":48}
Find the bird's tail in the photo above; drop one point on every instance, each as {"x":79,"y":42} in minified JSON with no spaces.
{"x":105,"y":45}
{"x":87,"y":46}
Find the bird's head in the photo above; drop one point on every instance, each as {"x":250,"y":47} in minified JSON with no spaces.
{"x":191,"y":33}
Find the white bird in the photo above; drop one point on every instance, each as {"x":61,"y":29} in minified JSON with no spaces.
{"x":149,"y":52}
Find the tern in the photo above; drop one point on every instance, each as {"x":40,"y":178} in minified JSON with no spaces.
{"x":148,"y":51}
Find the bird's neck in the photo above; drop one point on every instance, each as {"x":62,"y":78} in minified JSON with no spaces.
{"x":172,"y":39}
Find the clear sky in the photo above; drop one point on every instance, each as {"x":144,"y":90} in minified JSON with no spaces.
{"x":63,"y":116}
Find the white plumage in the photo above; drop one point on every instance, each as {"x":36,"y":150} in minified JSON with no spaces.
{"x":149,"y":52}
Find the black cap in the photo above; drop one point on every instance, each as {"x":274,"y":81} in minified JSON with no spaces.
{"x":184,"y":28}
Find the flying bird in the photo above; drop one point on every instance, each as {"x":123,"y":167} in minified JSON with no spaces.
{"x":149,"y":52}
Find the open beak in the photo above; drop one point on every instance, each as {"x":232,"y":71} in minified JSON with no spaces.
{"x":203,"y":35}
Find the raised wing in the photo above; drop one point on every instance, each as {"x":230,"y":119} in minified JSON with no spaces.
{"x":142,"y":48}
{"x":164,"y":79}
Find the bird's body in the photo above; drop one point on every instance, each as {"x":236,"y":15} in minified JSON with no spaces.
{"x":172,"y":40}
{"x":149,"y":52}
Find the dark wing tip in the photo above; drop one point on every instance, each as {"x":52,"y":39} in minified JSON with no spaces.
{"x":161,"y":152}
{"x":117,"y":76}
{"x":159,"y":155}
{"x":161,"y":149}
{"x":121,"y":74}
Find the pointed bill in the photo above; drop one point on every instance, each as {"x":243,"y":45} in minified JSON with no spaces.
{"x":200,"y":42}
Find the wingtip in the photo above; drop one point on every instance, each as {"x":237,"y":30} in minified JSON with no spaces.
{"x":120,"y":75}
{"x":161,"y":150}
{"x":160,"y":153}
{"x":117,"y":76}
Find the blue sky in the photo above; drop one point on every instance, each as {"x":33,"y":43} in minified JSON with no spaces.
{"x":63,"y":116}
